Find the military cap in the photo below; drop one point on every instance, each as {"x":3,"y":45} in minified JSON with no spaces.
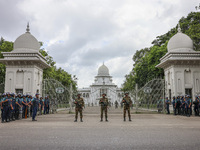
{"x":104,"y":94}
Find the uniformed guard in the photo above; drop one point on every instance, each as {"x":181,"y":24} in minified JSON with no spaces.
{"x":41,"y":105}
{"x":35,"y":103}
{"x":174,"y":102}
{"x":31,"y":106}
{"x":24,"y":108}
{"x":46,"y":105}
{"x":127,"y":103}
{"x":116,"y":104}
{"x":178,"y":105}
{"x":79,"y":102}
{"x":196,"y":106}
{"x":18,"y":106}
{"x":104,"y":107}
{"x":28,"y":99}
{"x":7,"y":106}
{"x":2,"y":108}
{"x":188,"y":105}
{"x":13,"y":106}
{"x":167,"y":102}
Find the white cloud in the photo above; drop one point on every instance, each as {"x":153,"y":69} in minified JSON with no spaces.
{"x":81,"y":35}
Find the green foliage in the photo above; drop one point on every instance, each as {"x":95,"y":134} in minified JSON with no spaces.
{"x":5,"y":46}
{"x":146,"y":59}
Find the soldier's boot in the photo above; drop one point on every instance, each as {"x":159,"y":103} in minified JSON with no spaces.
{"x":101,"y":119}
{"x":75,"y":120}
{"x":106,"y":119}
{"x":81,"y":120}
{"x":130,"y":118}
{"x":124,"y":118}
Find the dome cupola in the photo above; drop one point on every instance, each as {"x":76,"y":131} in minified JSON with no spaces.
{"x":180,"y":42}
{"x":103,"y":71}
{"x":26,"y":43}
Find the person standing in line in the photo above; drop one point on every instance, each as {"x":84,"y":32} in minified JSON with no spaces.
{"x":127,"y":103}
{"x":79,"y":102}
{"x":104,"y":107}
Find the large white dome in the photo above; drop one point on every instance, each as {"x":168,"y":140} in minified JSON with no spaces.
{"x":180,"y":43}
{"x":103,"y":71}
{"x":26,"y":43}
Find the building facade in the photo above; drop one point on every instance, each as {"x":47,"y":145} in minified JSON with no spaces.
{"x":181,"y":66}
{"x":102,"y":84}
{"x":24,"y":65}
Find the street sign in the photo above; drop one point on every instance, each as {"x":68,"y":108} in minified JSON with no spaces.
{"x":60,"y":90}
{"x":147,"y":90}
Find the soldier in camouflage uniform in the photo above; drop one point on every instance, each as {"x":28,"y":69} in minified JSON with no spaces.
{"x":79,"y":102}
{"x":104,"y":106}
{"x":127,"y":103}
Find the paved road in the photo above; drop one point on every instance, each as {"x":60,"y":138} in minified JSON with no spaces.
{"x":145,"y":132}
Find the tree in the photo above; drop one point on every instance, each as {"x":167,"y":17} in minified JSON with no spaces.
{"x":145,"y":60}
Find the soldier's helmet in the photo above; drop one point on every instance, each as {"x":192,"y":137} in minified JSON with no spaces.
{"x":8,"y":93}
{"x":41,"y":98}
{"x":104,"y":94}
{"x":4,"y":94}
{"x":79,"y":94}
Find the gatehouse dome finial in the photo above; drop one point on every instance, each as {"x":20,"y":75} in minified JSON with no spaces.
{"x":26,"y":42}
{"x":27,"y":29}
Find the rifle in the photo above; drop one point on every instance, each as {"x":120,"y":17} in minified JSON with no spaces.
{"x":126,"y":102}
{"x":104,"y":104}
{"x":77,"y":104}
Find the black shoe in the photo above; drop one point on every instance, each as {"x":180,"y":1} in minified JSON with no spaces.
{"x":101,"y":120}
{"x":130,"y":120}
{"x":124,"y":119}
{"x":81,"y":120}
{"x":34,"y":120}
{"x":106,"y":120}
{"x":2,"y":121}
{"x":75,"y":120}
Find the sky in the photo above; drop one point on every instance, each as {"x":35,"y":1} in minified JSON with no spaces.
{"x":81,"y":35}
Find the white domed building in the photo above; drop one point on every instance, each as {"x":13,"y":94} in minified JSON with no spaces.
{"x":181,"y":66}
{"x":24,"y":65}
{"x":102,"y":84}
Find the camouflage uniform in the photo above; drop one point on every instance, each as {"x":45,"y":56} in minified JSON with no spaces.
{"x":79,"y":102}
{"x":104,"y":106}
{"x":127,"y":103}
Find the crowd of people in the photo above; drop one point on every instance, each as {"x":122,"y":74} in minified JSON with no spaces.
{"x":12,"y":106}
{"x":183,"y":105}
